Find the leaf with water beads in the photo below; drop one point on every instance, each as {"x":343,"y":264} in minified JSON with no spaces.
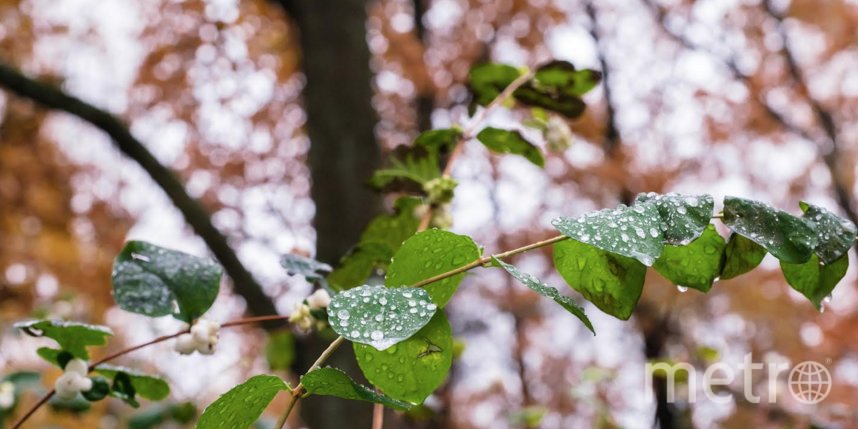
{"x":815,"y":280}
{"x":695,"y":265}
{"x":243,"y":404}
{"x":333,"y":382}
{"x":379,"y":316}
{"x":411,"y":370}
{"x":836,"y":235}
{"x":430,"y":253}
{"x":635,"y":231}
{"x":786,"y":237}
{"x":155,"y":281}
{"x":547,"y":291}
{"x":740,"y":256}
{"x":683,"y":217}
{"x":612,"y":282}
{"x":73,"y":337}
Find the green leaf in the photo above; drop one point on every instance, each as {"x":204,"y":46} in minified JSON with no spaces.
{"x":487,"y":81}
{"x":379,"y":242}
{"x":280,"y":350}
{"x":684,"y":217}
{"x":333,"y":382}
{"x":740,"y":256}
{"x":547,"y":291}
{"x":561,"y":76}
{"x":243,"y":404}
{"x":695,"y":265}
{"x":612,"y":282}
{"x":72,"y":337}
{"x":407,"y":166}
{"x":567,"y":105}
{"x":633,"y":231}
{"x":414,"y":368}
{"x":145,"y":385}
{"x":785,"y":236}
{"x":379,"y":316}
{"x":814,"y":279}
{"x":836,"y":235}
{"x":54,"y":356}
{"x":154,"y":281}
{"x":430,"y":253}
{"x":505,"y":141}
{"x":123,"y":389}
{"x":439,"y":141}
{"x":309,"y":268}
{"x":100,"y":389}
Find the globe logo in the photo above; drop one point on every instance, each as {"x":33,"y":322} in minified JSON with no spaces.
{"x":810,"y":382}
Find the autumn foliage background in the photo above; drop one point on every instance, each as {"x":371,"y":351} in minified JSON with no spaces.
{"x":273,"y":114}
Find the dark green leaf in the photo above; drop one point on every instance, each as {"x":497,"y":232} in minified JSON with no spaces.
{"x":814,"y":279}
{"x":280,"y":350}
{"x":504,"y":141}
{"x":740,"y":256}
{"x":309,"y":268}
{"x":428,"y":254}
{"x":333,"y":382}
{"x":123,"y":389}
{"x":145,"y":385}
{"x":407,"y":167}
{"x":612,"y":282}
{"x":380,"y":316}
{"x":100,"y":389}
{"x":414,"y":368}
{"x":695,"y":265}
{"x":243,"y":404}
{"x":379,"y":242}
{"x":547,"y":291}
{"x":561,"y":76}
{"x":487,"y":81}
{"x":439,"y":141}
{"x":567,"y":105}
{"x":154,"y":281}
{"x":785,"y":236}
{"x":633,"y":231}
{"x":684,"y":217}
{"x":836,"y":235}
{"x":55,"y":356}
{"x":72,"y":337}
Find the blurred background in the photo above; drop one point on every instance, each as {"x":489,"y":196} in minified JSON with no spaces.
{"x":273,"y":114}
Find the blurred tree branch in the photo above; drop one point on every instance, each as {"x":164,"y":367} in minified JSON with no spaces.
{"x":194,"y":213}
{"x":829,"y":150}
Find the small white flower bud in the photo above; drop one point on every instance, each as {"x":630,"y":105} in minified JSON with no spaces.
{"x":185,"y":344}
{"x":319,"y":299}
{"x":77,"y":366}
{"x":7,"y":395}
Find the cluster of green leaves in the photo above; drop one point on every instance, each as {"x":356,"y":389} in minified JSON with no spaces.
{"x":147,"y":280}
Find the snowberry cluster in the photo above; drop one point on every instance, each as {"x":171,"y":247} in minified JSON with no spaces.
{"x":202,"y":338}
{"x":302,"y":317}
{"x":73,"y":380}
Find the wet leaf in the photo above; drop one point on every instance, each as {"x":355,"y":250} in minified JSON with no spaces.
{"x":380,"y":316}
{"x":635,"y":231}
{"x":613,"y":283}
{"x":427,"y":254}
{"x":146,"y":385}
{"x":506,"y":141}
{"x":72,"y":337}
{"x":740,"y":256}
{"x":785,"y":236}
{"x":243,"y":404}
{"x":836,"y":235}
{"x":813,"y":279}
{"x":411,"y":370}
{"x":309,"y":268}
{"x":684,"y":217}
{"x":695,"y":265}
{"x":155,"y":281}
{"x":333,"y":382}
{"x":547,"y":291}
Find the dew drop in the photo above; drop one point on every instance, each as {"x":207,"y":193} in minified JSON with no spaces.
{"x":682,"y":289}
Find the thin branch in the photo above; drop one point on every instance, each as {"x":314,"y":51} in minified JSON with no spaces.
{"x":299,"y":389}
{"x":194,"y":213}
{"x":471,"y":131}
{"x":377,"y":416}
